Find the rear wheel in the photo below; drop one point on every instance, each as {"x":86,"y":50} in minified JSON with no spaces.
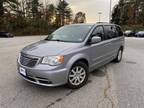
{"x":78,"y":75}
{"x":119,"y":55}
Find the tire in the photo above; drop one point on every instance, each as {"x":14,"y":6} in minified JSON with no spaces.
{"x":119,"y":56}
{"x":78,"y":75}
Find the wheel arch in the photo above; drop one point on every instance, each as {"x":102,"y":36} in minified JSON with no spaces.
{"x":84,"y":60}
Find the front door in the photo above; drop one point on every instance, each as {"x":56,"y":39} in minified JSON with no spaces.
{"x":100,"y":51}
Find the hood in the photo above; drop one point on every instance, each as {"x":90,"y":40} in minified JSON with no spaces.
{"x":46,"y":48}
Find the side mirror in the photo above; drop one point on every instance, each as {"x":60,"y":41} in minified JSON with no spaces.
{"x":95,"y":39}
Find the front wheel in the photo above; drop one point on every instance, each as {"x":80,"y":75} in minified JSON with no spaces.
{"x":78,"y":75}
{"x":119,"y":55}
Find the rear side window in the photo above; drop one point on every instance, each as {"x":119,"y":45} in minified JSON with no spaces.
{"x":119,"y":31}
{"x":110,"y":31}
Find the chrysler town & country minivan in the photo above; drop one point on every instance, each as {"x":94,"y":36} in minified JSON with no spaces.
{"x":68,"y":54}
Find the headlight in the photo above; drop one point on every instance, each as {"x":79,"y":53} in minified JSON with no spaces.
{"x":53,"y":60}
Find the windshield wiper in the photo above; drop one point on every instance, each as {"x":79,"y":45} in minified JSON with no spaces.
{"x":55,"y":40}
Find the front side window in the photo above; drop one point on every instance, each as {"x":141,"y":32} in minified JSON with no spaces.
{"x":99,"y":31}
{"x":73,"y":33}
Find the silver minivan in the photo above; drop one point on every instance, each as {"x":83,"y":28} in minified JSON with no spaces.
{"x":68,"y":54}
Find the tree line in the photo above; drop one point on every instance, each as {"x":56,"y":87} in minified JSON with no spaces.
{"x":29,"y":17}
{"x":129,"y":13}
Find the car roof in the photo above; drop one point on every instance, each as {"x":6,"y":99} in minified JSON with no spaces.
{"x":81,"y":24}
{"x":104,"y":23}
{"x":141,"y":32}
{"x":91,"y":24}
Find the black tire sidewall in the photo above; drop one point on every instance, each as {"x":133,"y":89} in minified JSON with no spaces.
{"x":117,"y":59}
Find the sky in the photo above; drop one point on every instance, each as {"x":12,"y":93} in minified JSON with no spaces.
{"x":91,"y":8}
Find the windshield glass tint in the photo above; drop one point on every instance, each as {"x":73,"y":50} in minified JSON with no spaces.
{"x":73,"y":33}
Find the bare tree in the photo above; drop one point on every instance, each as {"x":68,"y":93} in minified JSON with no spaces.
{"x":80,"y":18}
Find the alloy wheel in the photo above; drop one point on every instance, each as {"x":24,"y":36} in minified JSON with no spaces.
{"x":77,"y":75}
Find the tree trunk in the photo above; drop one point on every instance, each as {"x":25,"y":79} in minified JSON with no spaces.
{"x":1,"y":8}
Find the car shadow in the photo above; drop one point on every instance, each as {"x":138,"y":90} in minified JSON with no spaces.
{"x":43,"y":88}
{"x":100,"y":72}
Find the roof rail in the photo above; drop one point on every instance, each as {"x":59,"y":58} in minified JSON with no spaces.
{"x":102,"y":22}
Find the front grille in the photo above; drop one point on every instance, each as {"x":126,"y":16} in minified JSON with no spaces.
{"x":28,"y":61}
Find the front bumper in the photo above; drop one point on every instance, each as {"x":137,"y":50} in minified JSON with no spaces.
{"x":44,"y":75}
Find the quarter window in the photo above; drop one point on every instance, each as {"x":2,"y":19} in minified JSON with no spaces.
{"x":119,"y":31}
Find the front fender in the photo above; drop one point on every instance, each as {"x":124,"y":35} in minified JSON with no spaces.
{"x":75,"y":58}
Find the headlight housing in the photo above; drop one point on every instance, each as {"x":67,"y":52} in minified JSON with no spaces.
{"x":53,"y":60}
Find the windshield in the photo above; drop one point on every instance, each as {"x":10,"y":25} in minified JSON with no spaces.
{"x":73,"y":33}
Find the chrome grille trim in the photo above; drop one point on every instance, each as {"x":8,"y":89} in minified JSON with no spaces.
{"x":29,"y":61}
